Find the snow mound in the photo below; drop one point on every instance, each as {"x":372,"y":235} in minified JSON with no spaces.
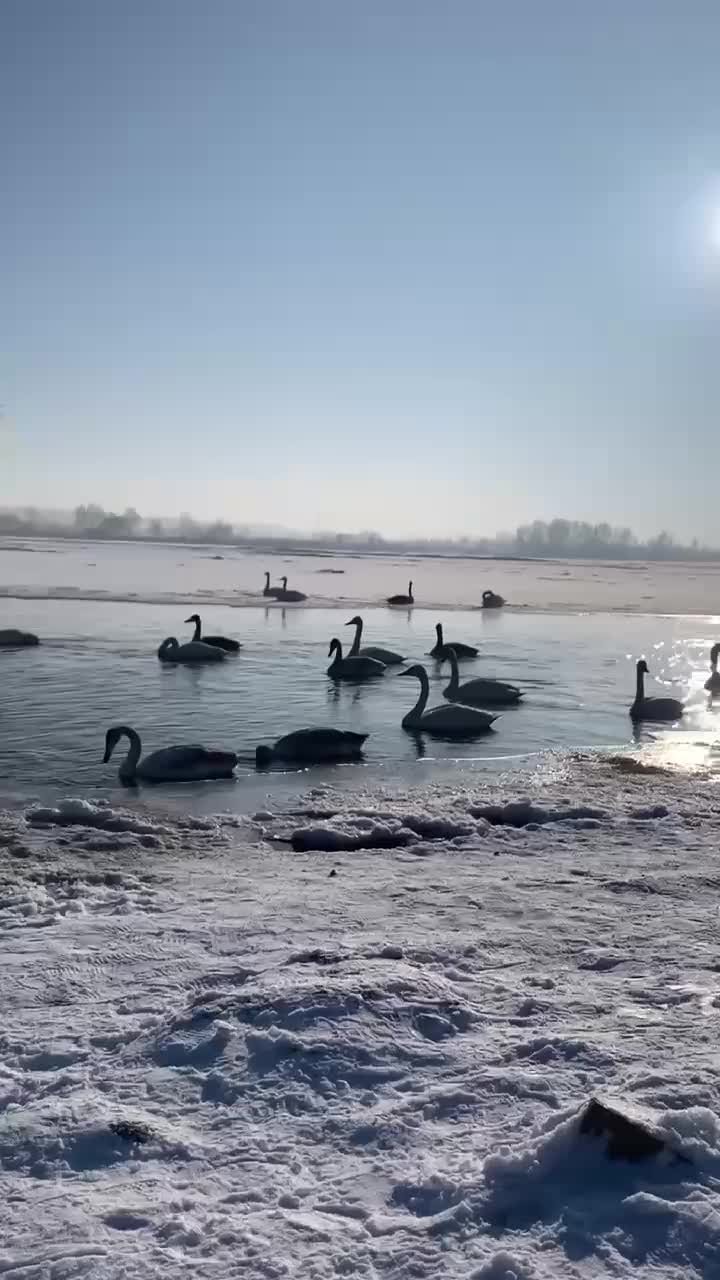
{"x":363,"y":829}
{"x":75,"y":812}
{"x":521,"y":813}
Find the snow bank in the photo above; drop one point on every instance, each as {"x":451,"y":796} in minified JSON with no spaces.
{"x":379,"y":1073}
{"x":89,"y":813}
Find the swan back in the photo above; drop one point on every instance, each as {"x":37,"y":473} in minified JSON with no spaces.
{"x":11,"y":639}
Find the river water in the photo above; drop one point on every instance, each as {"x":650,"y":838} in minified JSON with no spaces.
{"x":101,"y":611}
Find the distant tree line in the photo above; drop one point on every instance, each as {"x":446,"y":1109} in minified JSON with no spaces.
{"x":553,"y":539}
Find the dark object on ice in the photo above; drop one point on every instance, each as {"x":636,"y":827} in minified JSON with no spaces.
{"x":132,"y":1130}
{"x":627,"y":1139}
{"x":491,"y":600}
{"x":332,"y":873}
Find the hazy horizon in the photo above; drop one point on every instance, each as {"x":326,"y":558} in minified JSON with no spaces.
{"x":432,"y":270}
{"x":558,"y":538}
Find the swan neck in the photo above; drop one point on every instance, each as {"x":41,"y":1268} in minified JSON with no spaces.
{"x":454,"y":673}
{"x":417,"y":711}
{"x":356,"y":642}
{"x":198,"y":630}
{"x":130,"y":763}
{"x":640,"y":686}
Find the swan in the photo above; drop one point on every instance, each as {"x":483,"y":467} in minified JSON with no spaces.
{"x":268,"y":590}
{"x":712,"y":684}
{"x":282,"y":593}
{"x":352,"y":668}
{"x":453,"y":720}
{"x":489,"y":693}
{"x":440,"y":648}
{"x":193,"y":651}
{"x":385,"y":656}
{"x":652,"y":708}
{"x":408,"y":599}
{"x":313,"y":746}
{"x":217,"y":642}
{"x":172,"y":764}
{"x":492,"y":601}
{"x":11,"y":639}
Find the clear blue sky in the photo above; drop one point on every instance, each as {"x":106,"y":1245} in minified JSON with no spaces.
{"x":399,"y":264}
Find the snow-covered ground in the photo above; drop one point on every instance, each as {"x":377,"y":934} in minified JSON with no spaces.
{"x":369,"y":1061}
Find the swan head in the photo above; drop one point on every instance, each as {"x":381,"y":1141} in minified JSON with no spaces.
{"x":642,"y":668}
{"x":357,"y":622}
{"x":419,"y":672}
{"x":194,"y":617}
{"x":714,"y":654}
{"x":112,"y":737}
{"x":335,"y":647}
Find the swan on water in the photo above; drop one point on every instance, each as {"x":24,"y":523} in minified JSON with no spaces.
{"x":652,"y":708}
{"x":11,"y":639}
{"x":217,"y":642}
{"x":268,"y":590}
{"x":313,"y":746}
{"x":386,"y":656}
{"x":408,"y":599}
{"x":352,"y":668}
{"x":172,"y":764}
{"x":488,"y":693}
{"x":712,"y":684}
{"x":193,"y":651}
{"x":492,"y":601}
{"x":282,"y":593}
{"x":440,"y":648}
{"x":450,"y":720}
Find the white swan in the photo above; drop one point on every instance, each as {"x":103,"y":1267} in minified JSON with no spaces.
{"x":282,"y":593}
{"x":387,"y":656}
{"x":488,"y":693}
{"x":652,"y":708}
{"x":217,"y":642}
{"x":401,"y":599}
{"x":352,"y":668}
{"x":440,"y":648}
{"x":11,"y":639}
{"x":454,"y":720}
{"x":192,"y":652}
{"x":490,"y":600}
{"x":712,"y":684}
{"x":173,"y":764}
{"x":313,"y":746}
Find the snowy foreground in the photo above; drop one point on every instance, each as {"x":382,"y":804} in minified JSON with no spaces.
{"x":376,"y":1073}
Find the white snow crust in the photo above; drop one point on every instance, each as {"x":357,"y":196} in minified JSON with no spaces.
{"x":373,"y":1073}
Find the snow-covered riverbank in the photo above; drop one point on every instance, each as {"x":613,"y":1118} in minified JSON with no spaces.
{"x":365,"y":1062}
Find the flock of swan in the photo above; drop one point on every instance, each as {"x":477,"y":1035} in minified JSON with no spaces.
{"x":467,"y":710}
